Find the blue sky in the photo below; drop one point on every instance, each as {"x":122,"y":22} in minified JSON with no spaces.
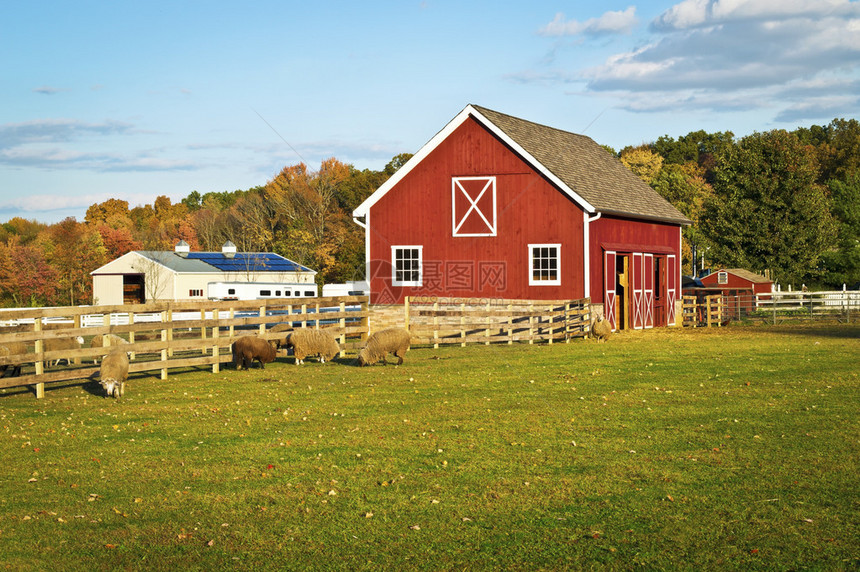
{"x":133,"y":100}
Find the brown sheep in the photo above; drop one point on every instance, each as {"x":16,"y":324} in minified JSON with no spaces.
{"x":383,"y":342}
{"x":308,"y":342}
{"x":113,"y":373}
{"x":249,"y":348}
{"x":12,"y":349}
{"x":601,"y":328}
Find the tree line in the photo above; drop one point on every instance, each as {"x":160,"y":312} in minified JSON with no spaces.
{"x":779,"y":202}
{"x":783,"y":202}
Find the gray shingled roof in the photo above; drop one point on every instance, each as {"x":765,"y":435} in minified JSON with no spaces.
{"x":587,"y":169}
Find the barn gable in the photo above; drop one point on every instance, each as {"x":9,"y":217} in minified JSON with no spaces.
{"x":575,"y":164}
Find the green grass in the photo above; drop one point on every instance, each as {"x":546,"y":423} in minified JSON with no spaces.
{"x":728,"y":449}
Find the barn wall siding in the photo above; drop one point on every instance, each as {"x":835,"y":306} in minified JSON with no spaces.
{"x":529,"y":210}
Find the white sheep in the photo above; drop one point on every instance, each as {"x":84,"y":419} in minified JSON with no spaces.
{"x":310,"y":342}
{"x":383,"y":342}
{"x":113,"y":340}
{"x":113,"y":373}
{"x":601,"y":328}
{"x":57,"y":344}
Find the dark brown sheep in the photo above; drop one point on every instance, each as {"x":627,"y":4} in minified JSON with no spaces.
{"x":113,"y":373}
{"x":249,"y":348}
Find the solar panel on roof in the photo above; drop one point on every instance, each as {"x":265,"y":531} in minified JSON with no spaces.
{"x":246,"y":261}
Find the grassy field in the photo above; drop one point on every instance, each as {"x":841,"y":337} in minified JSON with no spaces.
{"x":730,"y":449}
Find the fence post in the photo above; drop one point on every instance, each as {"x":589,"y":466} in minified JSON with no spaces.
{"x":773,"y":300}
{"x":169,"y":336}
{"x":263,"y":325}
{"x":317,"y":321}
{"x":203,"y":329}
{"x":40,"y":368}
{"x":531,"y":324}
{"x":165,"y":338}
{"x":567,"y":322}
{"x":486,"y":343}
{"x":131,"y":334}
{"x":343,"y":329}
{"x":365,"y":320}
{"x":406,"y":312}
{"x":463,"y":324}
{"x":216,"y":351}
{"x":436,"y":325}
{"x":510,"y":324}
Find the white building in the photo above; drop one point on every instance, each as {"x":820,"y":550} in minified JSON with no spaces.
{"x":150,"y":275}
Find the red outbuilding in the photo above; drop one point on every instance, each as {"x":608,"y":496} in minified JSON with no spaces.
{"x":735,"y":282}
{"x":498,"y":207}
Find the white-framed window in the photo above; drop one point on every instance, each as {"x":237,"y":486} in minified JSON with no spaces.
{"x":722,"y":278}
{"x":473,"y":206}
{"x":544,"y":264}
{"x":406,"y":265}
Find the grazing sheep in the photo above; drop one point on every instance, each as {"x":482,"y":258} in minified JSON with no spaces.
{"x":12,"y":349}
{"x":601,"y":328}
{"x":113,"y":373}
{"x":57,"y":344}
{"x":310,"y":342}
{"x":390,"y":340}
{"x":113,"y":340}
{"x":249,"y":348}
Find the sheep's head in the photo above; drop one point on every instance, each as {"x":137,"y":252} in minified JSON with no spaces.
{"x":111,"y":387}
{"x":363,"y":357}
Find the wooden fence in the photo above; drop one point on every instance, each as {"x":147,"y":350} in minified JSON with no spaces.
{"x":165,"y":335}
{"x":706,"y":312}
{"x":436,"y":321}
{"x":774,"y":307}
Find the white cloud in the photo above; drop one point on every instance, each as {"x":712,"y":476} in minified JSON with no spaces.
{"x":614,"y":22}
{"x":696,"y":13}
{"x":708,"y":53}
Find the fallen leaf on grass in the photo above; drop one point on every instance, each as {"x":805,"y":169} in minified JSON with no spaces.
{"x":414,"y":527}
{"x":110,"y":545}
{"x":119,"y":512}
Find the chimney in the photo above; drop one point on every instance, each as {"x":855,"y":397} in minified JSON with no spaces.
{"x":182,"y":248}
{"x":228,"y":250}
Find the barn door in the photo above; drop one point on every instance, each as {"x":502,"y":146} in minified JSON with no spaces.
{"x":637,"y":291}
{"x":609,"y":289}
{"x":671,"y":288}
{"x":648,"y":297}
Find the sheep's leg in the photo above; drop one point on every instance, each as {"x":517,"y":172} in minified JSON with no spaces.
{"x":399,"y":358}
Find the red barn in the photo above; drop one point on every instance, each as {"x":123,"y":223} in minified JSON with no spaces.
{"x":498,"y":207}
